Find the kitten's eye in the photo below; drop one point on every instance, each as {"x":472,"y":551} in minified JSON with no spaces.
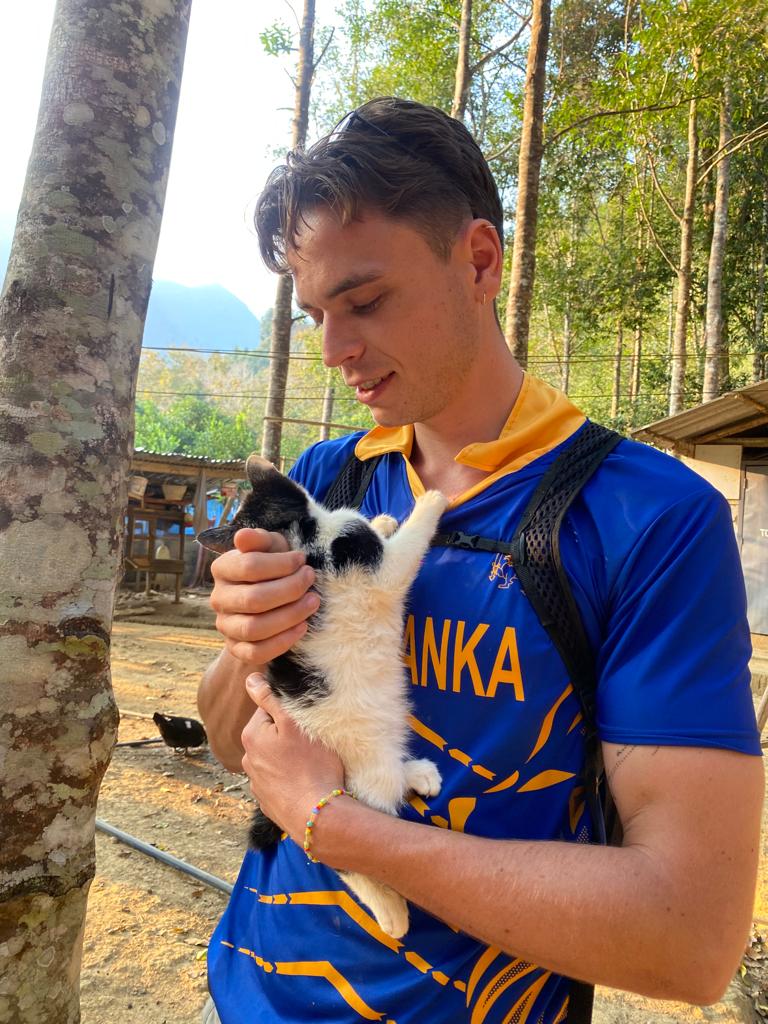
{"x":369,"y":307}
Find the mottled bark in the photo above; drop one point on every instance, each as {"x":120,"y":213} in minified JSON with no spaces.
{"x":327,"y":415}
{"x":463,"y":76}
{"x":677,"y":380}
{"x":529,"y":169}
{"x":713,"y":335}
{"x":280,"y":342}
{"x":71,"y":319}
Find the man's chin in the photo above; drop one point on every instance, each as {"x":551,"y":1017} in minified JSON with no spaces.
{"x":387,"y":418}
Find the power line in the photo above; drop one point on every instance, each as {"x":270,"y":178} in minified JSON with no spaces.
{"x":536,"y":360}
{"x":297,"y":395}
{"x":254,"y":353}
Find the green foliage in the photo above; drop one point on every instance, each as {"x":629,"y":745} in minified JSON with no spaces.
{"x":192,"y":426}
{"x":276,"y":39}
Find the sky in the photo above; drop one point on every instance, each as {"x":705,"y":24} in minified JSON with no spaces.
{"x":235,"y":111}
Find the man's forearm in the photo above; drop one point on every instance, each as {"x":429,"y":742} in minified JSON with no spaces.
{"x":225,"y":707}
{"x":612,"y":916}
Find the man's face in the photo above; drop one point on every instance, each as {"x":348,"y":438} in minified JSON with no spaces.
{"x":399,"y":322}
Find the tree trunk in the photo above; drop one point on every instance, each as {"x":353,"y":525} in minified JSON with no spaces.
{"x":327,"y":415}
{"x":677,"y":384}
{"x":71,"y":319}
{"x":565,"y":374}
{"x":280,"y":353}
{"x":637,"y":345}
{"x":713,"y":336}
{"x":758,"y":359}
{"x":280,"y":343}
{"x":529,"y":167}
{"x":461,"y":88}
{"x":618,"y":355}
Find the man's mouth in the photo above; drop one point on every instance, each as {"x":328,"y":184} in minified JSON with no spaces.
{"x":368,"y":389}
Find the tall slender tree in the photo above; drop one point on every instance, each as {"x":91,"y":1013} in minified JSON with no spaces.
{"x":684,"y":269}
{"x":529,"y":170}
{"x":463,"y":76}
{"x":282,"y":319}
{"x":713,"y":339}
{"x":71,"y":319}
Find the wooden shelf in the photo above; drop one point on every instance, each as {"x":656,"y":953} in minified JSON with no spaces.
{"x":160,"y":510}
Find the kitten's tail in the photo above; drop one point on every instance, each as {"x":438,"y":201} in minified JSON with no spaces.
{"x":263,"y":832}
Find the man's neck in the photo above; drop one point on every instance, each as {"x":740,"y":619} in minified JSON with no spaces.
{"x":478,"y":415}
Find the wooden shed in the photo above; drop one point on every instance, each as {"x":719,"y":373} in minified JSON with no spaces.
{"x":726,"y":441}
{"x":162,"y":488}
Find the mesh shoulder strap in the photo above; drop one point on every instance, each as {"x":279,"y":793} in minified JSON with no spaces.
{"x":351,"y":483}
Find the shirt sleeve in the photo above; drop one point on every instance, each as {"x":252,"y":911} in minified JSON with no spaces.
{"x":674,"y":665}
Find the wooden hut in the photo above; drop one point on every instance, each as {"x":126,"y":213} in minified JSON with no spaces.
{"x":167,"y":494}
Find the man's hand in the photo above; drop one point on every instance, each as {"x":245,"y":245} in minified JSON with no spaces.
{"x":260,"y":596}
{"x":288,"y":772}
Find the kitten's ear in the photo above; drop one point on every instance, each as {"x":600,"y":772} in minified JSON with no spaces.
{"x":274,"y":501}
{"x":258,"y":468}
{"x":220,"y":538}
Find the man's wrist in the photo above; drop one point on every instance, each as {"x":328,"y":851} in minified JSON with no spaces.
{"x":338,"y":828}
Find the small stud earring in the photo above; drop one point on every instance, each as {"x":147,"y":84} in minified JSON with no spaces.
{"x":484,"y":298}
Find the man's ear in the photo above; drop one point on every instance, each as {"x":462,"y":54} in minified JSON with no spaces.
{"x":486,"y":256}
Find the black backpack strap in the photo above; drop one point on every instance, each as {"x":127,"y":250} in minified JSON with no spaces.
{"x":351,"y":483}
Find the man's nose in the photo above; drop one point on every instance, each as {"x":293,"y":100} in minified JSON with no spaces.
{"x":341,"y":341}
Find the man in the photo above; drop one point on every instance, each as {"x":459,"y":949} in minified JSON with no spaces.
{"x":391,"y":228}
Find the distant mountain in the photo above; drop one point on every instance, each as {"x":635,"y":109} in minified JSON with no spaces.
{"x":204,"y":317}
{"x":180,"y":317}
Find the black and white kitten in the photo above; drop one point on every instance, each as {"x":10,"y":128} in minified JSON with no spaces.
{"x":344,"y":682}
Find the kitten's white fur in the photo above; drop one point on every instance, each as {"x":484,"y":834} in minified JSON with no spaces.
{"x":358,"y":650}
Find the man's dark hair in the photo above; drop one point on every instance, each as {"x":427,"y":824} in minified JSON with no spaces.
{"x":397,"y":157}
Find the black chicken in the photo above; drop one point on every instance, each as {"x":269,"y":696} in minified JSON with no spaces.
{"x":180,"y":733}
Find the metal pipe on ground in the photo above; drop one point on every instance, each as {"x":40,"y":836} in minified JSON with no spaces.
{"x":165,"y":858}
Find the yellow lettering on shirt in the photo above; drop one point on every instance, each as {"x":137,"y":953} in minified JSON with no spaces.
{"x":409,"y":653}
{"x":510,"y":674}
{"x":464,"y":655}
{"x":429,"y":653}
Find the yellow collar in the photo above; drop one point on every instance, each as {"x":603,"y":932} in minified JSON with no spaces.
{"x":541,"y":418}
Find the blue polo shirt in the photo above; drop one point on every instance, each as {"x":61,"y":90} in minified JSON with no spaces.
{"x":650,"y":552}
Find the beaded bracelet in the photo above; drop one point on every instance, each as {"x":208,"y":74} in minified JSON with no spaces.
{"x":313,"y":818}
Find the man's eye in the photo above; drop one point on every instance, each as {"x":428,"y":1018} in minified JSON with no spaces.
{"x":367,"y":308}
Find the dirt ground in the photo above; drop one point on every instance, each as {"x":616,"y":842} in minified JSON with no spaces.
{"x":148,"y":925}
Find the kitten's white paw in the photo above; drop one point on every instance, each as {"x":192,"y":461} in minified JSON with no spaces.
{"x":384,"y":525}
{"x":433,"y":500}
{"x":391,"y":913}
{"x":422,"y":776}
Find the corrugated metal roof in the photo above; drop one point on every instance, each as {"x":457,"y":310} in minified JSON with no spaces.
{"x":234,"y":466}
{"x":731,"y":416}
